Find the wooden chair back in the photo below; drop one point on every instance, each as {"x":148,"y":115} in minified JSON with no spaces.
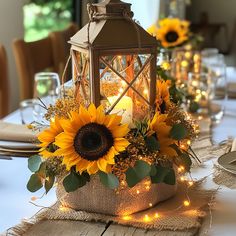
{"x":31,"y":58}
{"x":61,"y":47}
{"x":4,"y":83}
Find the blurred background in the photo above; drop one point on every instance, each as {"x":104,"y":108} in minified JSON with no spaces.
{"x":33,"y":20}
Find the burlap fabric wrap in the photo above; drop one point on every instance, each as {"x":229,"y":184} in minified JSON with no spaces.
{"x":95,"y":197}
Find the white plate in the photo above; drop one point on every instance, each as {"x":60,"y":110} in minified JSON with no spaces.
{"x":225,"y":162}
{"x":17,"y":145}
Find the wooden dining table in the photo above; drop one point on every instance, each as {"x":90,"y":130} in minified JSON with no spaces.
{"x":16,"y":204}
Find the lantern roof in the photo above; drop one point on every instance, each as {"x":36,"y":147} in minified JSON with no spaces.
{"x":111,"y":27}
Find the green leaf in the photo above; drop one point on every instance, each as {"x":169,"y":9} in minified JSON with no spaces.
{"x":73,"y":181}
{"x":164,"y":175}
{"x":152,"y":143}
{"x":34,"y":163}
{"x":153,"y":170}
{"x":109,"y":180}
{"x":49,"y":182}
{"x":193,"y":107}
{"x":186,"y":161}
{"x":42,"y":170}
{"x":170,"y":177}
{"x":139,"y":172}
{"x":34,"y":183}
{"x":178,"y":132}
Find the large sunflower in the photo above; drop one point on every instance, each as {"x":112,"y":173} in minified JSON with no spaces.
{"x":91,"y":140}
{"x":172,"y":32}
{"x":159,"y":126}
{"x":162,"y":95}
{"x":47,"y":138}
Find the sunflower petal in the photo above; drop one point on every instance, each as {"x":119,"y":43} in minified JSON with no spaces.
{"x":120,"y":131}
{"x":93,"y":168}
{"x":102,"y":164}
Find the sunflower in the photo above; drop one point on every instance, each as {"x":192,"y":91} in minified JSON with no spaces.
{"x":163,"y":96}
{"x":91,"y":140}
{"x":47,"y":138}
{"x":159,"y":126}
{"x":172,"y":32}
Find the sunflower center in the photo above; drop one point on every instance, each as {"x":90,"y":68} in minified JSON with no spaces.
{"x":171,"y":36}
{"x":93,"y":141}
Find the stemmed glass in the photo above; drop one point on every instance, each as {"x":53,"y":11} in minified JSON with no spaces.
{"x":47,"y":91}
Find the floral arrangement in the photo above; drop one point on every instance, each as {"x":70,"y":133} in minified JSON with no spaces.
{"x":81,"y":142}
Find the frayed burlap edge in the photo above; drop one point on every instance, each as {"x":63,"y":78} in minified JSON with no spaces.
{"x":178,"y":218}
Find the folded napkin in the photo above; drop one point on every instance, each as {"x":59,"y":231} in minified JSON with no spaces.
{"x":232,"y":90}
{"x":15,"y":132}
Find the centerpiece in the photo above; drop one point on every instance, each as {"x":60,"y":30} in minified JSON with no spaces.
{"x":117,"y":145}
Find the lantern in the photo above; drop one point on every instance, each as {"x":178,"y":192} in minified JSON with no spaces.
{"x":114,"y":61}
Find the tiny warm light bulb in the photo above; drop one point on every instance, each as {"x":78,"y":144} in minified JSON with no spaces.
{"x":146,"y":218}
{"x":189,"y":142}
{"x":200,"y":117}
{"x":190,"y":183}
{"x":145,"y":91}
{"x":184,"y":63}
{"x":34,"y":198}
{"x":126,"y":217}
{"x":182,"y":179}
{"x":186,"y":203}
{"x":148,"y":187}
{"x":165,"y":65}
{"x":156,"y":215}
{"x":137,"y":191}
{"x":63,"y":208}
{"x":150,"y":204}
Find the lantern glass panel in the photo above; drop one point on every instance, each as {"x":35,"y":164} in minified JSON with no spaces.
{"x":125,"y":85}
{"x":81,"y":77}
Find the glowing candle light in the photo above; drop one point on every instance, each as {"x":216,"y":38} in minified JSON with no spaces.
{"x":124,"y":107}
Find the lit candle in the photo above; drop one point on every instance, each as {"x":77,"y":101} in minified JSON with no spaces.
{"x":124,"y":107}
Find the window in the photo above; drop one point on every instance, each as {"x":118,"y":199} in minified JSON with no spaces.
{"x":44,"y":16}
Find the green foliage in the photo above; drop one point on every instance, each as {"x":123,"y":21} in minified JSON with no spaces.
{"x":74,"y":180}
{"x":186,"y":161}
{"x":34,"y":183}
{"x":44,"y":16}
{"x":34,"y":163}
{"x":109,"y":180}
{"x":193,"y":107}
{"x":49,"y":182}
{"x":137,"y":173}
{"x":178,"y":132}
{"x":152,"y":143}
{"x":163,"y":175}
{"x":142,"y":126}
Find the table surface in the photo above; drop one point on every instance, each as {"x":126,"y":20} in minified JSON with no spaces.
{"x":15,"y":198}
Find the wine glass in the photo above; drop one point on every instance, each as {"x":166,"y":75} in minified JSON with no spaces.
{"x":217,"y":71}
{"x":47,"y":91}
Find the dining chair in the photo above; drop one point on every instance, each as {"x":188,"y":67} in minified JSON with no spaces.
{"x":4,"y":83}
{"x":31,"y":58}
{"x":61,"y":47}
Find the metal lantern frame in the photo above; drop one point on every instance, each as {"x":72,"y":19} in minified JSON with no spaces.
{"x":103,"y":36}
